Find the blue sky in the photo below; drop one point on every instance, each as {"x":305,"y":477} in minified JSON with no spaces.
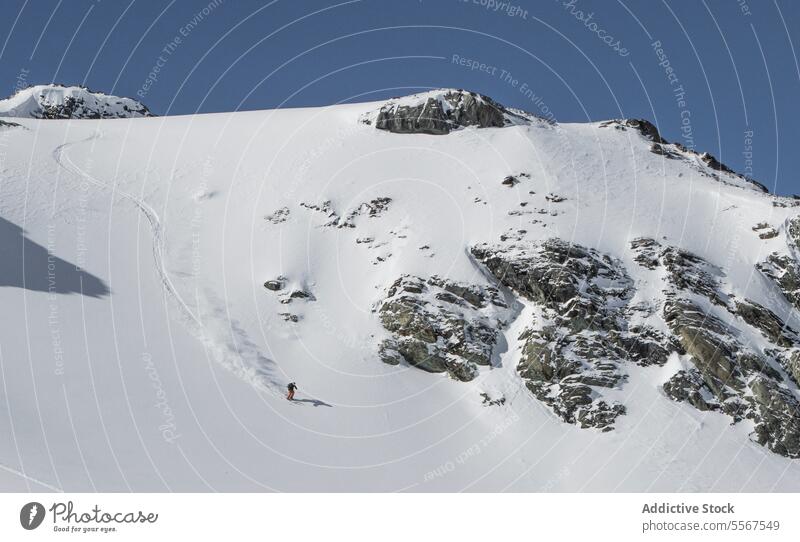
{"x":733,"y":87}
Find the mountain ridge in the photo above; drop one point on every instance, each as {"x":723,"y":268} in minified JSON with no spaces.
{"x":580,"y":311}
{"x":55,"y":101}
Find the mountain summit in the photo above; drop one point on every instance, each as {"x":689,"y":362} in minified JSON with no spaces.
{"x":75,"y":102}
{"x":468,"y":297}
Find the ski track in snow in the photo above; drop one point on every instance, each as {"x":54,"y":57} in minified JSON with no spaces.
{"x":240,"y":354}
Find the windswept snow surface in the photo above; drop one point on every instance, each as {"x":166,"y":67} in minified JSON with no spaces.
{"x":163,"y":363}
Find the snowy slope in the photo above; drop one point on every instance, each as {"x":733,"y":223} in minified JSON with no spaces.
{"x":60,"y":102}
{"x":162,"y":366}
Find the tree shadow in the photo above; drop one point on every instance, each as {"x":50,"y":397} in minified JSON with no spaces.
{"x":315,"y":402}
{"x":29,"y":265}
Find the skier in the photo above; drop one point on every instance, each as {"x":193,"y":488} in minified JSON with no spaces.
{"x":291,"y":387}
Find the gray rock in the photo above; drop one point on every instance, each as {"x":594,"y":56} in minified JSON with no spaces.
{"x":690,"y":386}
{"x":777,"y":417}
{"x":439,"y":116}
{"x":279,"y":216}
{"x":488,"y":401}
{"x":584,"y":294}
{"x":440,"y":325}
{"x":784,"y":273}
{"x":766,"y":321}
{"x":793,"y":231}
{"x":276,"y":284}
{"x":644,"y":127}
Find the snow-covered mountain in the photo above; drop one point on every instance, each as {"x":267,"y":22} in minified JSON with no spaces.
{"x":60,"y":102}
{"x":468,"y":297}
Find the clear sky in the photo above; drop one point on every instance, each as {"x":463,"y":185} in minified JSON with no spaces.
{"x":717,"y":75}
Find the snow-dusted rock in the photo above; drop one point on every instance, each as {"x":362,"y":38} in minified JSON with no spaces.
{"x":582,"y":338}
{"x":439,"y":112}
{"x":440,"y":325}
{"x":727,"y":374}
{"x":60,"y":102}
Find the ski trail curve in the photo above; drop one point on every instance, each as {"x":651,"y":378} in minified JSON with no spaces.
{"x":239,"y":354}
{"x":63,"y":160}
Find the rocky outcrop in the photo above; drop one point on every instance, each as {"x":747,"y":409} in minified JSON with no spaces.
{"x":644,"y":127}
{"x":793,"y":232}
{"x":275,"y":284}
{"x":660,"y":146}
{"x":767,"y":322}
{"x":727,"y":375}
{"x":371,"y":209}
{"x":777,"y":417}
{"x":765,"y":231}
{"x":76,"y":102}
{"x":279,"y":216}
{"x":442,"y":111}
{"x":297,"y":294}
{"x":440,"y":325}
{"x":580,"y":346}
{"x":784,"y":273}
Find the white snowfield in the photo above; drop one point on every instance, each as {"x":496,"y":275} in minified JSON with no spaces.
{"x":163,"y":365}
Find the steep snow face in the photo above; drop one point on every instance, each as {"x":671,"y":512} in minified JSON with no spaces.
{"x":529,"y":306}
{"x":60,"y":102}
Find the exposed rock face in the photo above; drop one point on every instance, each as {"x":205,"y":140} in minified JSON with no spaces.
{"x":690,"y":273}
{"x":784,"y":272}
{"x":765,"y":231}
{"x":645,"y":127}
{"x":440,"y":112}
{"x":371,"y":209}
{"x":766,"y":321}
{"x":586,"y":330}
{"x":727,"y":375}
{"x":662,"y":147}
{"x":276,"y":284}
{"x":440,"y":325}
{"x":297,"y":294}
{"x":279,"y":216}
{"x":778,"y":418}
{"x":793,"y":232}
{"x":60,"y":102}
{"x":584,"y":338}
